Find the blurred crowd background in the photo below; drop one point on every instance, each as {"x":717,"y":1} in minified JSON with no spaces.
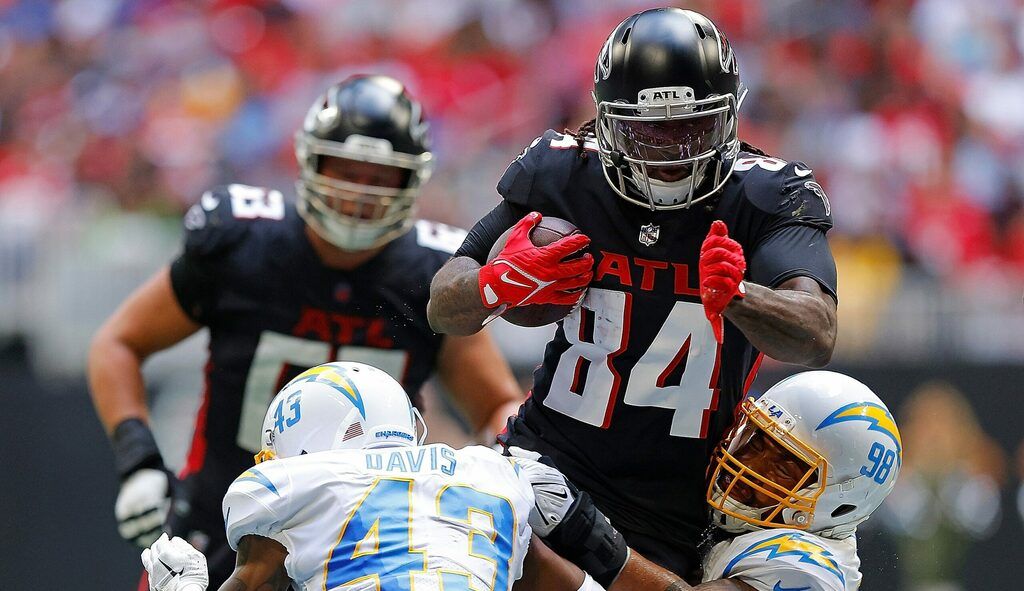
{"x":115,"y":115}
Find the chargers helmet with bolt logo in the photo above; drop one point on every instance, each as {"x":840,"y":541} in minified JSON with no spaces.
{"x":340,"y":405}
{"x":819,"y":451}
{"x":668,"y":91}
{"x":367,"y":119}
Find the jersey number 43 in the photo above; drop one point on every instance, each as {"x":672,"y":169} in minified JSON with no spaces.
{"x":379,"y":541}
{"x":586,"y":383}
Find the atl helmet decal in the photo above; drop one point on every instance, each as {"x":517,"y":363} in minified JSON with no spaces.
{"x":322,"y":116}
{"x":417,"y":126}
{"x":604,"y":61}
{"x":325,"y":374}
{"x":792,"y":544}
{"x":254,"y":475}
{"x":879,"y":418}
{"x":726,"y":57}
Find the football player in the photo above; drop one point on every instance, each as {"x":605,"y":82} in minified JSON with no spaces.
{"x":344,"y":496}
{"x":342,"y":274}
{"x":707,"y":254}
{"x":806,"y":463}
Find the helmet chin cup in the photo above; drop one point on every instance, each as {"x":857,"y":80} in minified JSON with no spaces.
{"x":730,"y":520}
{"x":666,"y":193}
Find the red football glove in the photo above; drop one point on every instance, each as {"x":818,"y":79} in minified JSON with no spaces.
{"x":525,"y":274}
{"x":721,"y":274}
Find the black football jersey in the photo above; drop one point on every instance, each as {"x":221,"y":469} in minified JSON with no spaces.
{"x":249,"y":273}
{"x":634,"y":392}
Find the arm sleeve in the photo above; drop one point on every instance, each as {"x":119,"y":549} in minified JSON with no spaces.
{"x":795,"y":251}
{"x":485,"y":233}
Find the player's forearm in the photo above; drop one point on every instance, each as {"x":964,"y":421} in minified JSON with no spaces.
{"x":497,"y":421}
{"x":150,"y":320}
{"x":455,"y":307}
{"x":788,"y":325}
{"x":481,"y":382}
{"x":115,"y":382}
{"x":259,"y":566}
{"x":640,"y":574}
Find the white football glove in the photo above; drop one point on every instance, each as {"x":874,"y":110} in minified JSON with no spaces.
{"x":553,"y":495}
{"x":142,"y":506}
{"x":174,"y":565}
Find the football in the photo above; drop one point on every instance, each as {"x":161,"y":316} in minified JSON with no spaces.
{"x":550,"y":229}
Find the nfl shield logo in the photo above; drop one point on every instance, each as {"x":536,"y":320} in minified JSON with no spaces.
{"x":648,"y":234}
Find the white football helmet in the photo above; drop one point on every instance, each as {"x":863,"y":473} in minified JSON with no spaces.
{"x":836,"y":454}
{"x":340,"y":405}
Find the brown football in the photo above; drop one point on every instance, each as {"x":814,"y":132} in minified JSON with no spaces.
{"x":547,"y":231}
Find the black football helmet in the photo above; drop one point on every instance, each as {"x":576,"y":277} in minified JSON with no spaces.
{"x":369,"y":119}
{"x":668,"y":91}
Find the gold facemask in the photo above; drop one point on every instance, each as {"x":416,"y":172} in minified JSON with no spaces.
{"x":799,"y":464}
{"x":264,"y":455}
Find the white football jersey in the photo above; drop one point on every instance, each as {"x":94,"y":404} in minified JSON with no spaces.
{"x":786,"y":560}
{"x":424,"y":518}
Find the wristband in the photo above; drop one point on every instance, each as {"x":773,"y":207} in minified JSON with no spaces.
{"x":134,"y":448}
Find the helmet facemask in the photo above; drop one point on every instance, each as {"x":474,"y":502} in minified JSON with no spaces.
{"x":764,"y":477}
{"x":668,"y":153}
{"x":354,"y":216}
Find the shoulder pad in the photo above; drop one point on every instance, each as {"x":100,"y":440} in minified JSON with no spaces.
{"x":546,"y":160}
{"x":789,"y":560}
{"x":438,"y":236}
{"x":256,"y":502}
{"x":220,"y":219}
{"x":784,"y":189}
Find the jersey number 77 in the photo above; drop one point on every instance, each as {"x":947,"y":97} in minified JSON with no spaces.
{"x":586,"y":383}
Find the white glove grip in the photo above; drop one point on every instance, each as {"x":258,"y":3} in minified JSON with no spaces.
{"x":142,"y":506}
